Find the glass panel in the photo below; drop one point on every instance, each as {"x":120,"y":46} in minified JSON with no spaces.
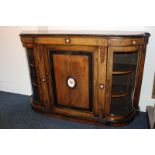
{"x":123,"y":82}
{"x":30,"y":56}
{"x":33,"y":74}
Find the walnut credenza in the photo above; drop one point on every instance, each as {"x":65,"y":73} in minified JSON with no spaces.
{"x":86,"y":77}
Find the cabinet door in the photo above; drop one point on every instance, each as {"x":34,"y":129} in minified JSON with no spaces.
{"x":73,"y":79}
{"x":122,"y":80}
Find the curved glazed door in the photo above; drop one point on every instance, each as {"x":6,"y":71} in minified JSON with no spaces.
{"x":73,"y":72}
{"x":122,"y":80}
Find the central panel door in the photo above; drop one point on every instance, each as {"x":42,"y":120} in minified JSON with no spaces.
{"x":73,"y":72}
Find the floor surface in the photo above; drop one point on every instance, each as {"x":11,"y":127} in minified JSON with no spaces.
{"x":16,"y":113}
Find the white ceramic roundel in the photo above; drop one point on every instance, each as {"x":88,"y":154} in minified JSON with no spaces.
{"x":71,"y":82}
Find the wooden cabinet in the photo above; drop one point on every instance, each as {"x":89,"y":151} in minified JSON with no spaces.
{"x":86,"y":77}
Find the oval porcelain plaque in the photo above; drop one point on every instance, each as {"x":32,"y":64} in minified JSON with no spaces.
{"x":71,"y":82}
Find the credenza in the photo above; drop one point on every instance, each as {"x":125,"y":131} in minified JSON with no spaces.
{"x":89,"y":76}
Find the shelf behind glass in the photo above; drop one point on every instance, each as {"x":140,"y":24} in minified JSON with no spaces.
{"x":123,"y":68}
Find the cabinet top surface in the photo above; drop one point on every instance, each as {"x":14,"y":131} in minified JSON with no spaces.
{"x":87,"y":33}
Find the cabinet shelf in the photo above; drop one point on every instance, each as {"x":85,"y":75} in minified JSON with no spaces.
{"x":122,"y":72}
{"x":120,"y":94}
{"x":120,"y":91}
{"x":123,"y":69}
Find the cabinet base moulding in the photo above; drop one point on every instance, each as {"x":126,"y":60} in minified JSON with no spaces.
{"x":109,"y":121}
